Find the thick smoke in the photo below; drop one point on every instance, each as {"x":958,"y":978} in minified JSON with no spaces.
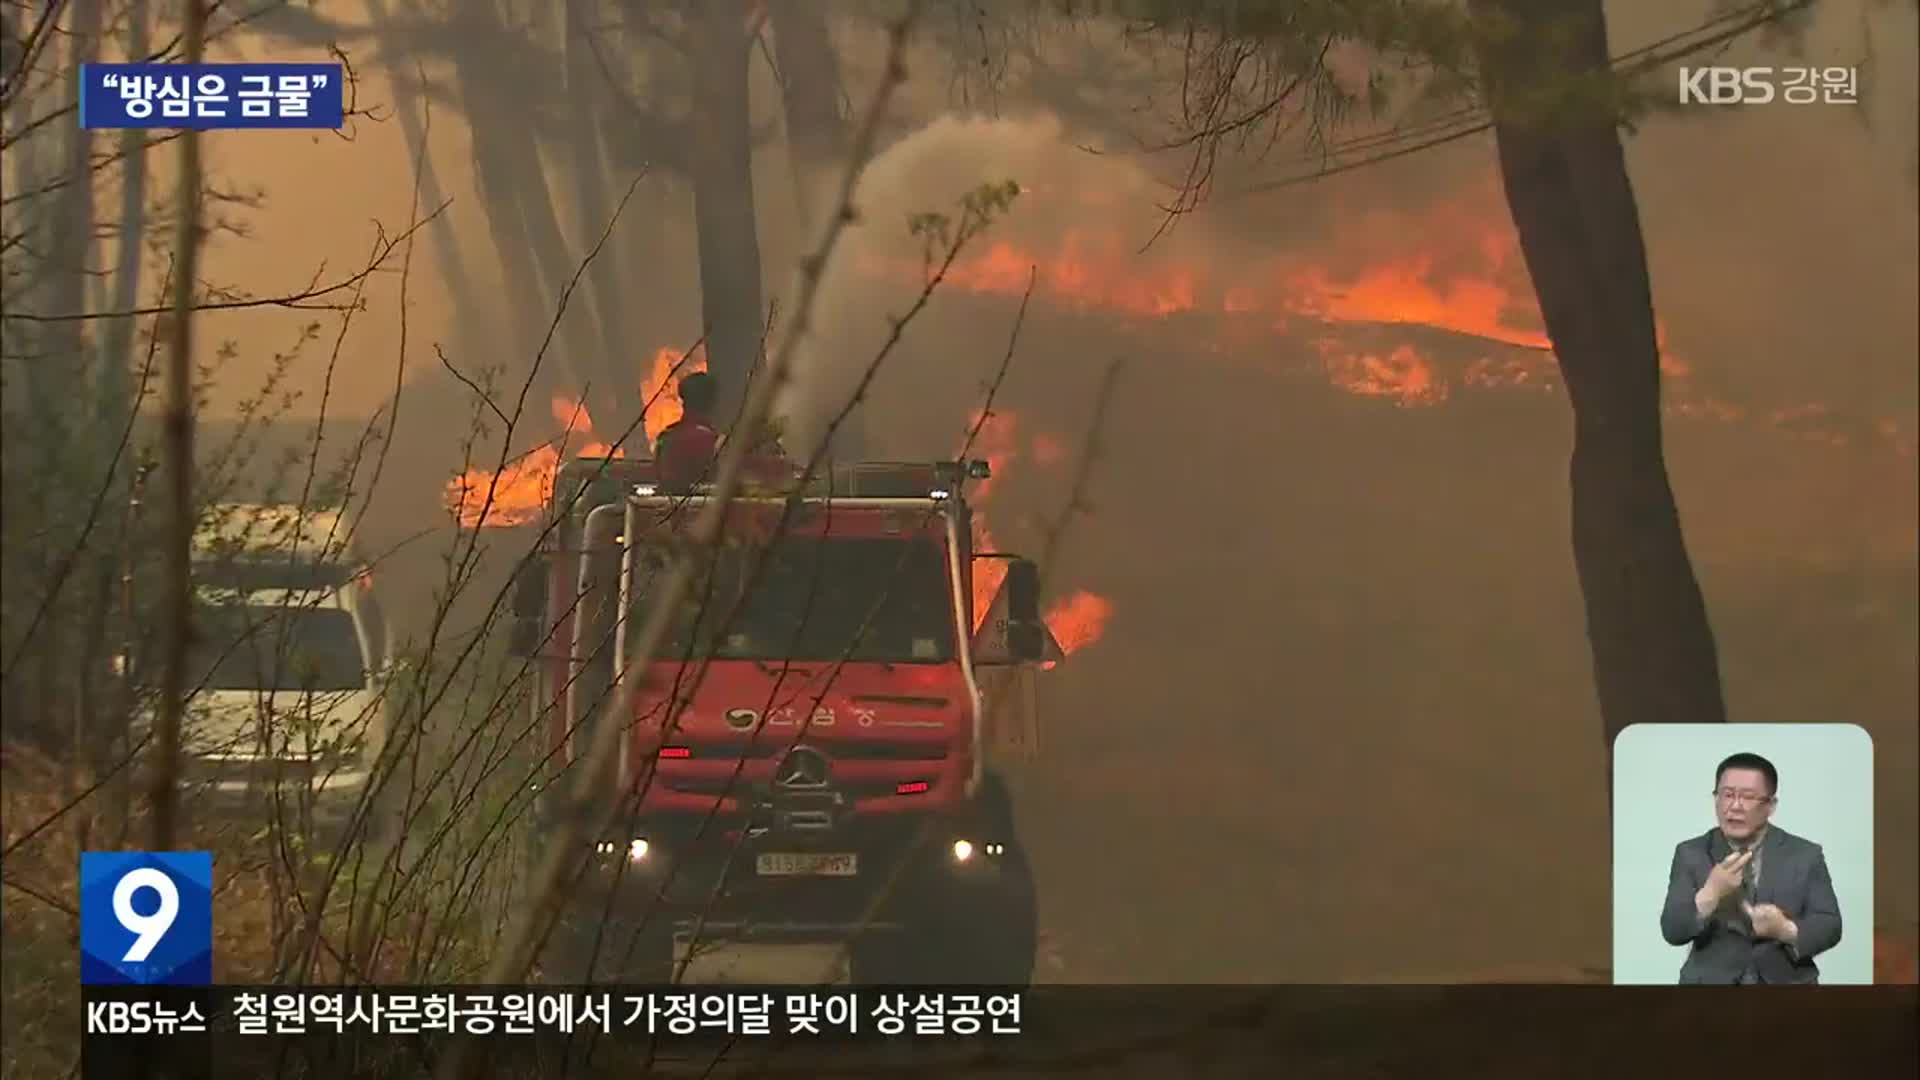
{"x":1345,"y":632}
{"x":880,"y":266}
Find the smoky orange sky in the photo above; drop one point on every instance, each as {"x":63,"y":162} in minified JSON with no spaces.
{"x":1751,"y":215}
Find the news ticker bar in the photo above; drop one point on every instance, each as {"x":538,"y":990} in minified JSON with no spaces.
{"x":209,"y":97}
{"x":1489,"y":1031}
{"x":731,"y":1011}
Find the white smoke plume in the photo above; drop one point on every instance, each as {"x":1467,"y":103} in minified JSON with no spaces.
{"x":874,"y":276}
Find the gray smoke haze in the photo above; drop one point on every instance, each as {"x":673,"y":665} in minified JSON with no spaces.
{"x":1066,"y":190}
{"x":1346,"y":675}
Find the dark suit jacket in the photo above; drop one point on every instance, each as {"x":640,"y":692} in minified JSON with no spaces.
{"x":1721,"y":947}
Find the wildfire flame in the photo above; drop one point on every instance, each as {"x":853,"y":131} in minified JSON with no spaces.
{"x":576,"y":423}
{"x":518,"y":493}
{"x":1079,"y":620}
{"x":483,"y":498}
{"x":1453,"y":266}
{"x":987,"y":573}
{"x":656,"y":389}
{"x":1076,"y":621}
{"x":1078,"y":272}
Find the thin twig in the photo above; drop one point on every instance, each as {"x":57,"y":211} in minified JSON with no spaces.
{"x":296,"y":300}
{"x":485,"y":398}
{"x":420,"y":166}
{"x":53,"y":902}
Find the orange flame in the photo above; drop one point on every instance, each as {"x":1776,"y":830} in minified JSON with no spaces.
{"x":987,"y":573}
{"x":1453,"y":266}
{"x":517,"y":494}
{"x":656,"y":389}
{"x":575,"y":423}
{"x":1404,"y":292}
{"x":1079,"y":620}
{"x":1402,"y":374}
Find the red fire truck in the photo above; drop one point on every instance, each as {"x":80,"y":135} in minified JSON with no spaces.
{"x":809,"y":756}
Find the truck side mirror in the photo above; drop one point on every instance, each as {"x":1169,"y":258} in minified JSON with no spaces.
{"x":1023,"y":591}
{"x":1026,"y":638}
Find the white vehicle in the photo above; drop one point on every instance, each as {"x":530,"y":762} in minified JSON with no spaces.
{"x":289,"y":665}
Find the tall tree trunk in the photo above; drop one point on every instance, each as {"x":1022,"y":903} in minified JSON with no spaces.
{"x":101,"y":731}
{"x":76,"y":462}
{"x":811,"y":93}
{"x":723,"y":208}
{"x":24,"y":167}
{"x":577,"y":337}
{"x":176,"y":629}
{"x":56,"y":381}
{"x":116,"y":363}
{"x":577,"y":334}
{"x":1566,"y":181}
{"x":810,"y":90}
{"x":622,"y":361}
{"x":477,"y":322}
{"x":500,"y":126}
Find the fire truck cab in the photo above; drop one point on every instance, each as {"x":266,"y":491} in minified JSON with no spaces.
{"x":807,"y":766}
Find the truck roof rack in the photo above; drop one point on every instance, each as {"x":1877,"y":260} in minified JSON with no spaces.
{"x":898,"y":479}
{"x":864,"y":479}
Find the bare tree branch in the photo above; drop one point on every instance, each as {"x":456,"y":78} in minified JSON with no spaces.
{"x":485,"y":398}
{"x":295,"y":300}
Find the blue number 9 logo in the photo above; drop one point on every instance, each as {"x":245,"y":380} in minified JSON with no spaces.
{"x":169,"y":944}
{"x":148,"y":930}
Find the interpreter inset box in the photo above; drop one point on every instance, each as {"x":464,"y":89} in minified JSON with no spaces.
{"x":1743,"y":855}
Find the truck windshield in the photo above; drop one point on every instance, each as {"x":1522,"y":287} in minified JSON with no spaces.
{"x":881,"y":599}
{"x":270,"y":647}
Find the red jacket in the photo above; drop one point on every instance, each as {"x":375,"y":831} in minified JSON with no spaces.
{"x":685,"y":453}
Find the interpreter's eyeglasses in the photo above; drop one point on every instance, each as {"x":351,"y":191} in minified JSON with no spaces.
{"x":1742,"y":798}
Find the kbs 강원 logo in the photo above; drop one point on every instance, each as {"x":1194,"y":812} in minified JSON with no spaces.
{"x":1761,"y":85}
{"x":146,"y":917}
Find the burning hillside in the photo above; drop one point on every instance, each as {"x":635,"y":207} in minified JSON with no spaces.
{"x":1476,"y":290}
{"x":1414,"y":306}
{"x":1360,"y":287}
{"x":1362,"y":293}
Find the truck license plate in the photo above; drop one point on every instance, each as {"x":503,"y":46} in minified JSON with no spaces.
{"x":807,"y":864}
